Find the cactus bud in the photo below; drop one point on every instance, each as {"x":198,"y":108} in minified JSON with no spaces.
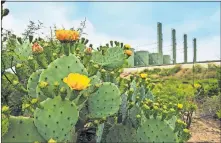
{"x":5,"y":109}
{"x":5,"y":12}
{"x":86,"y":41}
{"x":63,"y":93}
{"x":111,"y":43}
{"x":131,"y":90}
{"x":112,"y":73}
{"x":37,"y":49}
{"x":96,"y":122}
{"x":88,"y":50}
{"x":138,"y":116}
{"x":25,"y":106}
{"x":33,"y":101}
{"x":96,"y":66}
{"x":103,"y":70}
{"x":91,"y":46}
{"x":97,"y":85}
{"x":52,"y":141}
{"x":43,"y":84}
{"x":30,"y":38}
{"x":19,"y":65}
{"x":82,"y":40}
{"x":19,"y":40}
{"x":15,"y":82}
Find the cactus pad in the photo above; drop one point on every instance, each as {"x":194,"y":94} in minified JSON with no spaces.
{"x":22,"y":129}
{"x":99,"y":133}
{"x":105,"y":101}
{"x":113,"y":58}
{"x":155,"y":130}
{"x":24,"y":50}
{"x":120,"y":133}
{"x":32,"y":83}
{"x":5,"y":124}
{"x":59,"y":69}
{"x":56,"y":118}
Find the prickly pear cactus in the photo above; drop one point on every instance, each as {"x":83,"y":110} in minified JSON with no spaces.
{"x":24,"y":50}
{"x":22,"y":129}
{"x":105,"y":101}
{"x":5,"y":124}
{"x":33,"y":83}
{"x":59,"y":69}
{"x":120,"y":133}
{"x":155,"y":130}
{"x":56,"y":119}
{"x":113,"y":58}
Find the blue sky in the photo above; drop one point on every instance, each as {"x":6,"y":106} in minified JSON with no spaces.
{"x":132,"y":22}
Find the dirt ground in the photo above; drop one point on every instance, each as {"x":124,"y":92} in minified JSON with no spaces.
{"x":205,"y":130}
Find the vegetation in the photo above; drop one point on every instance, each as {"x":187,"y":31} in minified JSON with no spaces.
{"x":62,"y":89}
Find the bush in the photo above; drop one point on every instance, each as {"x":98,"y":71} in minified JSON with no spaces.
{"x":211,"y":106}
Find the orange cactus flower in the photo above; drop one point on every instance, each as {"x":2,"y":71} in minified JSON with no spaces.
{"x":128,"y":52}
{"x":36,"y":48}
{"x":67,"y":35}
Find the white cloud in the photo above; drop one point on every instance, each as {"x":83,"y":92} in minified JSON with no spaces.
{"x":53,"y":13}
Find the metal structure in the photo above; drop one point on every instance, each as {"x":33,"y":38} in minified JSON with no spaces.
{"x":141,"y":58}
{"x":166,"y":59}
{"x":160,"y":41}
{"x":185,"y":47}
{"x":174,"y":45}
{"x":194,"y":50}
{"x":144,"y":58}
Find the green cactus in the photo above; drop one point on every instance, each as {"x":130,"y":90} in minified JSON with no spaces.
{"x":155,"y":130}
{"x":113,"y":58}
{"x":57,"y":70}
{"x":105,"y":101}
{"x":22,"y":129}
{"x":56,"y":119}
{"x":120,"y":133}
{"x":32,"y":83}
{"x":23,"y":50}
{"x":5,"y":124}
{"x":123,"y":108}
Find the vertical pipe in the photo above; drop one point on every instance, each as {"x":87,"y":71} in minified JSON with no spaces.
{"x":185,"y":47}
{"x":160,"y":43}
{"x":194,"y":50}
{"x":174,"y":45}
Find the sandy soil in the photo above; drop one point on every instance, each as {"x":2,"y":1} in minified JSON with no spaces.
{"x":205,"y":130}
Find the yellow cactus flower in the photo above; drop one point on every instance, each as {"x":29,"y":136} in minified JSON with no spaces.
{"x":143,"y":75}
{"x":36,"y":48}
{"x":179,"y":106}
{"x":127,"y":46}
{"x":52,"y":141}
{"x":67,"y":35}
{"x":128,"y":52}
{"x":77,"y":81}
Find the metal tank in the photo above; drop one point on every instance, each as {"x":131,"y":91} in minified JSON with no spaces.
{"x":141,"y":58}
{"x":166,"y":59}
{"x":155,"y":59}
